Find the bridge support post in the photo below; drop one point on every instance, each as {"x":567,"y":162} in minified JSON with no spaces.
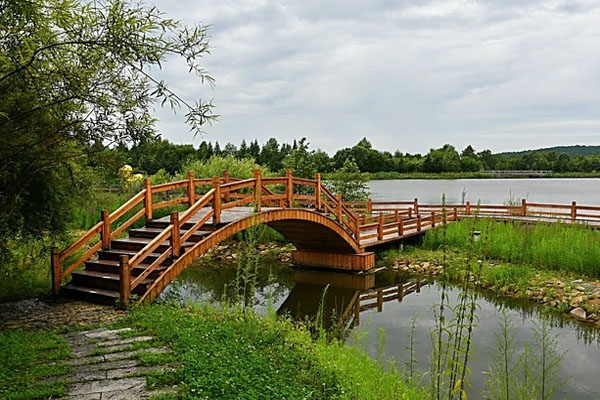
{"x":345,"y":261}
{"x":191,"y":188}
{"x":105,"y":231}
{"x":175,"y":235}
{"x":418,"y":222}
{"x":573,"y":211}
{"x":369,"y":206}
{"x":379,"y":300}
{"x":433,"y":219}
{"x":523,"y":207}
{"x":401,"y":226}
{"x":289,"y":188}
{"x":468,"y":208}
{"x":400,"y":292}
{"x":216,"y":203}
{"x":416,"y":205}
{"x":148,"y":200}
{"x":56,"y":271}
{"x":318,"y":192}
{"x":124,"y":281}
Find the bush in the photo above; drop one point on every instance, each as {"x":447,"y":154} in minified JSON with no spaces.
{"x":214,"y":166}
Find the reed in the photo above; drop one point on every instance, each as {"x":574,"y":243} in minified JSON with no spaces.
{"x":568,"y":248}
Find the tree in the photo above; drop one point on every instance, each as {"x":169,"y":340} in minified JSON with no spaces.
{"x":300,"y":160}
{"x":73,"y":74}
{"x":349,"y":182}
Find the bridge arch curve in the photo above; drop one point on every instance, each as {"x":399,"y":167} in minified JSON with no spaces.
{"x":306,"y":229}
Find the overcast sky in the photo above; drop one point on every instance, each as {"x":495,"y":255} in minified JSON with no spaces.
{"x":408,"y":75}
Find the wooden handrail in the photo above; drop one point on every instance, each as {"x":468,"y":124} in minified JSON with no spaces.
{"x":201,"y":202}
{"x":150,"y":246}
{"x":128,"y":205}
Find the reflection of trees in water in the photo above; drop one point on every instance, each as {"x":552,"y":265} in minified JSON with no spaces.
{"x":528,"y":310}
{"x":211,"y":280}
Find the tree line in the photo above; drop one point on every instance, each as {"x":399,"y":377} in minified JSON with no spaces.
{"x":152,"y":156}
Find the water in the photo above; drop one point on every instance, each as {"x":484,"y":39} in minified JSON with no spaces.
{"x":298,"y":293}
{"x":489,"y":191}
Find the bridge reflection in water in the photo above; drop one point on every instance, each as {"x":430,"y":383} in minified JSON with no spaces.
{"x":340,"y":297}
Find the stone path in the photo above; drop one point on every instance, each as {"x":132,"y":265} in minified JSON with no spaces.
{"x":106,"y":366}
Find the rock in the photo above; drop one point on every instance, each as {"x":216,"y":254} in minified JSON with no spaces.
{"x":593,"y":317}
{"x":580,"y":288}
{"x":426,"y":265}
{"x":577,"y":281}
{"x":576,"y":301}
{"x":578,"y":313}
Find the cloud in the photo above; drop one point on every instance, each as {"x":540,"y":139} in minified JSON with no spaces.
{"x":409,"y":75}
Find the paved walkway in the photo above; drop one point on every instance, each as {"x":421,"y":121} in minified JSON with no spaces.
{"x":106,"y":366}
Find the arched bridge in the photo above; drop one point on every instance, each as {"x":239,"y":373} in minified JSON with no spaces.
{"x":138,"y":250}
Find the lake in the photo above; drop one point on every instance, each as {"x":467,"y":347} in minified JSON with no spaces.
{"x":585,"y":191}
{"x":298,"y":293}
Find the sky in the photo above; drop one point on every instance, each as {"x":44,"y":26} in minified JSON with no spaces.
{"x":408,"y":75}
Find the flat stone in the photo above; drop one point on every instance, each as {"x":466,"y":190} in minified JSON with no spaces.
{"x":130,"y":354}
{"x":117,"y":342}
{"x":107,"y":385}
{"x":121,"y":372}
{"x":578,"y":313}
{"x":105,"y":333}
{"x":87,"y":360}
{"x":89,"y":396}
{"x":132,"y":394}
{"x":103,"y":366}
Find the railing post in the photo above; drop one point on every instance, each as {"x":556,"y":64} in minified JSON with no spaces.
{"x":257,"y":190}
{"x":380,"y":227}
{"x":418,"y":285}
{"x":105,"y":231}
{"x":433,"y":219}
{"x":191,"y":188}
{"x":216,"y":203}
{"x":338,"y":207}
{"x":523,"y":207}
{"x":418,"y":222}
{"x":175,"y":235}
{"x":124,"y":281}
{"x":468,"y":208}
{"x":318,"y":191}
{"x":401,"y":226}
{"x":455,"y":214}
{"x":410,"y":213}
{"x":289,"y":188}
{"x":400,"y":292}
{"x":416,"y":205}
{"x":573,"y":211}
{"x":357,"y":229}
{"x":56,"y":271}
{"x":379,"y":300}
{"x":225,"y":175}
{"x":148,"y":200}
{"x":369,"y":206}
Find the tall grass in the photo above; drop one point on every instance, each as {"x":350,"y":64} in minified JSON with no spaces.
{"x":569,"y":248}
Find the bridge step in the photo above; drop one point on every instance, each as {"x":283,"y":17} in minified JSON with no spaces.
{"x":105,"y":281}
{"x":110,"y":266}
{"x":153,"y":232}
{"x":138,"y":243}
{"x":93,"y":295}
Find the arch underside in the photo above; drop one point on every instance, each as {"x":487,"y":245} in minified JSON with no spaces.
{"x":308,"y":230}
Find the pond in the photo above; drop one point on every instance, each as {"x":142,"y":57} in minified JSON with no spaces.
{"x":585,"y":191}
{"x":298,"y":292}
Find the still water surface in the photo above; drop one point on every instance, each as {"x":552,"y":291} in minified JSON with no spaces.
{"x":297,"y":292}
{"x":489,"y":191}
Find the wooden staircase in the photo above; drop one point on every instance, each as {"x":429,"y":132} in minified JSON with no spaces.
{"x":99,"y":280}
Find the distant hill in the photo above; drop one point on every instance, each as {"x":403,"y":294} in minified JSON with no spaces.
{"x":571,"y":151}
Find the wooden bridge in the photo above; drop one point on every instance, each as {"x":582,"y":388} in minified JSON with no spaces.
{"x":134,"y":251}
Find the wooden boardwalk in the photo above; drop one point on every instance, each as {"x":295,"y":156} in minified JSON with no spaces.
{"x":121,"y":262}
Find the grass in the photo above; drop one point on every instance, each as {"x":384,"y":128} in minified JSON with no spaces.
{"x":555,"y":247}
{"x":231,"y":353}
{"x":24,"y":365}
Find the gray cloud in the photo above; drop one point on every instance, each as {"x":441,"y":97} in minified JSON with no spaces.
{"x":409,"y":75}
